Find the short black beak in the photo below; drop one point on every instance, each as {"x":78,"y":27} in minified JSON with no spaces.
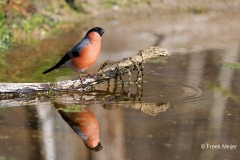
{"x":99,"y":147}
{"x":101,"y":31}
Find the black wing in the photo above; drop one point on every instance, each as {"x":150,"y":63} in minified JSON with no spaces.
{"x":74,"y":52}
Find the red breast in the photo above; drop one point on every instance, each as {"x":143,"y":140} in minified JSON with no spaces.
{"x":88,"y":124}
{"x":89,"y":54}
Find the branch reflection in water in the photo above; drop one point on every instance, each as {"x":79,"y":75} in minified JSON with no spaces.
{"x":113,"y":100}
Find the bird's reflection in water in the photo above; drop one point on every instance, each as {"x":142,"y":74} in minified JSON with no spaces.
{"x":84,"y":123}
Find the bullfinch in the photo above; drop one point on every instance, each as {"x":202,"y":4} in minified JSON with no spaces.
{"x":84,"y":123}
{"x":84,"y":54}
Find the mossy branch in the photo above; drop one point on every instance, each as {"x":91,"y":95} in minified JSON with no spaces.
{"x":107,"y":71}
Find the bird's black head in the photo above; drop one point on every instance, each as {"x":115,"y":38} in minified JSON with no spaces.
{"x":99,"y":30}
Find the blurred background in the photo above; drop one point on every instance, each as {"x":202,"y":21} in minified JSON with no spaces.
{"x":48,"y":29}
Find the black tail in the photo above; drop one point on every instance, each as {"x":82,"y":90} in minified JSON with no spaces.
{"x":54,"y":67}
{"x":61,"y":62}
{"x":49,"y":70}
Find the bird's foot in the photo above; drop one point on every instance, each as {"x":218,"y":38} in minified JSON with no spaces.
{"x":80,"y":77}
{"x":89,"y":75}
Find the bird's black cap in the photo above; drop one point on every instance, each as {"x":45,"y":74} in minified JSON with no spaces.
{"x":99,"y":30}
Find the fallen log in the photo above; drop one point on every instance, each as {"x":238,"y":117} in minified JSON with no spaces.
{"x":108,"y":70}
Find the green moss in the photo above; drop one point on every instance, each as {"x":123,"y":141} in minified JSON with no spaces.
{"x":198,"y":10}
{"x":72,"y":108}
{"x":109,"y":3}
{"x":2,"y":58}
{"x":22,"y":27}
{"x":231,"y":65}
{"x":125,"y":3}
{"x":225,"y":92}
{"x":103,"y":75}
{"x":2,"y":158}
{"x":158,"y":60}
{"x":5,"y":32}
{"x":58,"y":126}
{"x":4,"y":137}
{"x":38,"y":22}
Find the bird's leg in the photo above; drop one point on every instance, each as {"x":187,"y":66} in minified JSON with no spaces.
{"x":90,"y":75}
{"x":80,"y":77}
